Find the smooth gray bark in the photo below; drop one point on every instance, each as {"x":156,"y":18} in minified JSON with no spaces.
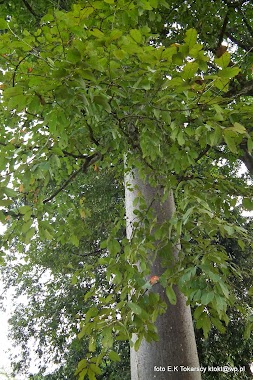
{"x":176,"y":346}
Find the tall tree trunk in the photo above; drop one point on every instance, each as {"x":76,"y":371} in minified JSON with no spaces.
{"x":176,"y":347}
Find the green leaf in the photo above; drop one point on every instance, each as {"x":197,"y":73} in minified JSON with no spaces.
{"x":91,"y":374}
{"x":190,"y":70}
{"x":25,"y":209}
{"x":198,"y":311}
{"x":114,"y":356}
{"x":97,"y":33}
{"x":230,"y":140}
{"x":191,"y":37}
{"x":224,"y":289}
{"x":205,"y":323}
{"x":248,"y":330}
{"x":114,"y":247}
{"x":119,"y":54}
{"x":3,"y":24}
{"x":92,"y":344}
{"x":171,"y":295}
{"x":215,"y":137}
{"x":136,"y":35}
{"x":207,"y":297}
{"x":102,"y":101}
{"x":229,"y":72}
{"x":29,"y":235}
{"x":237,"y":127}
{"x":136,"y":308}
{"x":230,"y":230}
{"x":10,"y":192}
{"x":73,"y":56}
{"x":250,"y":144}
{"x":73,"y":239}
{"x":223,"y":61}
{"x":138,"y":343}
{"x":26,"y":226}
{"x":48,"y":234}
{"x":95,"y":369}
{"x":241,"y":243}
{"x":218,"y":324}
{"x":247,"y":203}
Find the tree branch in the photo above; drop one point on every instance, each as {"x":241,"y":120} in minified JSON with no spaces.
{"x":238,"y":42}
{"x":247,"y":158}
{"x":88,"y":162}
{"x":203,"y":153}
{"x":246,"y":89}
{"x":30,"y":9}
{"x":248,"y":26}
{"x":16,"y":68}
{"x":223,"y":29}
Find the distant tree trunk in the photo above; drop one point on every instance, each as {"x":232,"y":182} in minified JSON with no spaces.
{"x":176,"y":347}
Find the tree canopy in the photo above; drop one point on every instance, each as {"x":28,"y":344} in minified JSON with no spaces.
{"x":85,"y":87}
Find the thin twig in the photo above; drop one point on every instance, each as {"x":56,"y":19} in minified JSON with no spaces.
{"x":30,"y":9}
{"x":88,"y":162}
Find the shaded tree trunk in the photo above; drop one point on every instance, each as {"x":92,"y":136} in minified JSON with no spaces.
{"x":176,"y":346}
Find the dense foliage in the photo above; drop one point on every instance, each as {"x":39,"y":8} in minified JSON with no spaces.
{"x":151,"y":80}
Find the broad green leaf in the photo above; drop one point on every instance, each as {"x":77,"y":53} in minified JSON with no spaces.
{"x":13,"y":91}
{"x":81,"y":375}
{"x":10,"y":192}
{"x":241,"y":243}
{"x":102,"y":101}
{"x":218,"y":324}
{"x":190,"y":70}
{"x":114,"y":356}
{"x":26,"y":226}
{"x":248,"y":331}
{"x":5,"y":202}
{"x":47,"y":234}
{"x":136,"y":308}
{"x":97,"y":33}
{"x":3,"y":24}
{"x":198,"y":311}
{"x":73,"y":56}
{"x":25,"y":209}
{"x":230,"y":140}
{"x":229,"y":72}
{"x":191,"y":37}
{"x":114,"y":247}
{"x":119,"y":54}
{"x":115,"y":34}
{"x":207,"y":297}
{"x":171,"y":295}
{"x":247,"y":203}
{"x":95,"y":369}
{"x":237,"y":127}
{"x":215,"y":137}
{"x":224,"y":288}
{"x":92,"y":344}
{"x":224,"y":60}
{"x":138,"y":343}
{"x":230,"y":230}
{"x":136,"y":35}
{"x":250,"y":144}
{"x":29,"y":235}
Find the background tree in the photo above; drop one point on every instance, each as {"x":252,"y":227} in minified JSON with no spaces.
{"x":67,"y":106}
{"x":52,"y":283}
